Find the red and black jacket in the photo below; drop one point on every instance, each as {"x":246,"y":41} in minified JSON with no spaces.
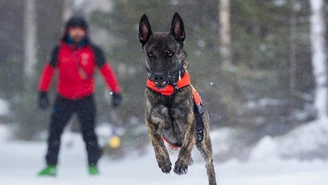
{"x":76,"y":66}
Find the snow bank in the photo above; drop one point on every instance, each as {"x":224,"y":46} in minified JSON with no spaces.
{"x":306,"y":142}
{"x":265,"y":149}
{"x":4,"y":107}
{"x":221,"y":138}
{"x":4,"y":133}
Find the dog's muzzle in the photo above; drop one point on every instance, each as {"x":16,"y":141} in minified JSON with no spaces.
{"x":159,"y":78}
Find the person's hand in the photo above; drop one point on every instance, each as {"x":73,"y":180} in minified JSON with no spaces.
{"x":43,"y":100}
{"x":117,"y":99}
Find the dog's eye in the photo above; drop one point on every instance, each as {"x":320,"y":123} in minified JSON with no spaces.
{"x":169,"y":53}
{"x":150,"y":54}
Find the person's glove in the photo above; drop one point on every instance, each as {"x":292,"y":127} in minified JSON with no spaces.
{"x":117,"y":99}
{"x":43,"y":100}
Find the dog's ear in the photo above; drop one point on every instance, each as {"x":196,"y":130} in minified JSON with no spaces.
{"x":177,"y":28}
{"x":144,"y":29}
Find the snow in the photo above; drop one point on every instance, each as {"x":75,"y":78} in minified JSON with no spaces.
{"x":265,"y":149}
{"x":306,"y":142}
{"x":4,"y":107}
{"x":221,"y":136}
{"x":264,"y":102}
{"x":20,"y":161}
{"x":311,"y":139}
{"x":4,"y":133}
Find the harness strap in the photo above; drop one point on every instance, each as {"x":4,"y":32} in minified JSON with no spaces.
{"x":199,"y":109}
{"x":170,"y":89}
{"x":174,"y":146}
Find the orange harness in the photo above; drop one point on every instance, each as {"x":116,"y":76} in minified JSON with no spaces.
{"x":169,"y":89}
{"x":199,"y":108}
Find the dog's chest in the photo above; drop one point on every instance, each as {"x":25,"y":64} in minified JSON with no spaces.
{"x":175,"y":110}
{"x":174,"y":130}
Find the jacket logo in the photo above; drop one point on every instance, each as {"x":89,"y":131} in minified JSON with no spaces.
{"x":85,"y":57}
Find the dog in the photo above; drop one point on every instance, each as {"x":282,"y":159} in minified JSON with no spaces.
{"x":174,"y":112}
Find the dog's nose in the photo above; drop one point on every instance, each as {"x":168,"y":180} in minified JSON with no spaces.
{"x":159,"y":77}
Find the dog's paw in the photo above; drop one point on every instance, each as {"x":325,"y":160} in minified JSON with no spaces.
{"x":165,"y":165}
{"x":191,"y":162}
{"x":181,"y":167}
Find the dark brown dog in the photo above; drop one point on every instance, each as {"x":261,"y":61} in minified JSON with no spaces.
{"x":172,"y":112}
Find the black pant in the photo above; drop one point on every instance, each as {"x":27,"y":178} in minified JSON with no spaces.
{"x":62,"y":112}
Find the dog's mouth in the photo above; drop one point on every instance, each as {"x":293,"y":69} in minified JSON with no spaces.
{"x":161,"y":85}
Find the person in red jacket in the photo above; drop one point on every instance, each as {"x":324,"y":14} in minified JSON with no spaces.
{"x":75,"y":58}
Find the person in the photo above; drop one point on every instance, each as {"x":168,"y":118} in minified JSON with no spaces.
{"x":75,"y":58}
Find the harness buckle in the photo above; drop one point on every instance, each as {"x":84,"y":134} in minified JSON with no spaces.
{"x":176,"y":87}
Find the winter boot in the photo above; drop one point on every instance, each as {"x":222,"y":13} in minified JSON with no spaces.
{"x":93,"y":170}
{"x":50,"y":171}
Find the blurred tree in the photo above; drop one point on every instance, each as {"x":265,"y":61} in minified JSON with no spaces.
{"x":30,"y":35}
{"x":225,"y":35}
{"x":319,"y":57}
{"x":292,"y":50}
{"x":67,"y":9}
{"x":11,"y":49}
{"x":30,"y":121}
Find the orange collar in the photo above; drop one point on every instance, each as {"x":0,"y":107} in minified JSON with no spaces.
{"x":169,"y":89}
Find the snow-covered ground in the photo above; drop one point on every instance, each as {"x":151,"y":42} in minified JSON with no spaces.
{"x":20,"y":162}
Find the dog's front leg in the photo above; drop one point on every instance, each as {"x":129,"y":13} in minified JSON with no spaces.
{"x":155,"y":123}
{"x":184,"y":158}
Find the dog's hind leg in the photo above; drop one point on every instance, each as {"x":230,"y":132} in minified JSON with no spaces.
{"x":205,"y":148}
{"x":206,"y":151}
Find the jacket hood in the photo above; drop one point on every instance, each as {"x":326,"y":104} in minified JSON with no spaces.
{"x":75,"y":21}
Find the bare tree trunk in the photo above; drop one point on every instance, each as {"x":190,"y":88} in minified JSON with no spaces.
{"x":292,"y":50}
{"x":224,"y":32}
{"x":292,"y":60}
{"x":30,"y":33}
{"x":319,"y":58}
{"x":67,"y":9}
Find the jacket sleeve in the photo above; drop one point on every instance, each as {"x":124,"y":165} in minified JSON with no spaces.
{"x":48,"y":71}
{"x":106,"y":70}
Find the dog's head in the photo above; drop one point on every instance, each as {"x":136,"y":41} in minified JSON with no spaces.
{"x":164,"y":54}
